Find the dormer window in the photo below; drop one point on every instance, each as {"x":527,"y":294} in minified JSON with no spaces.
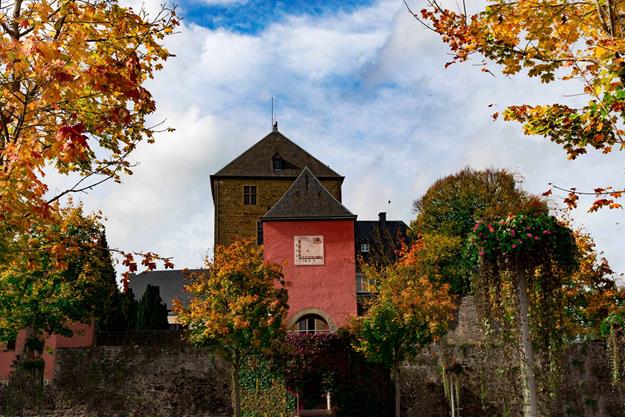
{"x":278,"y":164}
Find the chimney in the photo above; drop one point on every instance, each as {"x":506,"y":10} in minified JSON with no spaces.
{"x":382,"y":217}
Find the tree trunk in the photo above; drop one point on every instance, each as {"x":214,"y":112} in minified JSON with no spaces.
{"x":397,"y":380}
{"x":35,"y":365}
{"x":530,"y":402}
{"x":236,"y":386}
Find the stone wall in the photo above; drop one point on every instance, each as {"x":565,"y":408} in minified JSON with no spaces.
{"x":235,"y":220}
{"x":490,"y":384}
{"x":489,"y":390}
{"x":112,"y":381}
{"x":177,"y":380}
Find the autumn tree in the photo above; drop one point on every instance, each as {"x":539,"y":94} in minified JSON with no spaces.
{"x":581,"y":43}
{"x":44,"y":299}
{"x":410,"y":311}
{"x":521,"y":264}
{"x":591,"y":293}
{"x":238,"y":306}
{"x":71,"y":101}
{"x":449,"y":209}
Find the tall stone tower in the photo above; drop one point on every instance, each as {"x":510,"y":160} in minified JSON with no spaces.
{"x":245,"y":189}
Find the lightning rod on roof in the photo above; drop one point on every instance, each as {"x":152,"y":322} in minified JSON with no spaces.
{"x":274,"y":122}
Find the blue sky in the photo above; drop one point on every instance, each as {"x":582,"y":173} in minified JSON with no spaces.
{"x":361,"y":86}
{"x":251,"y":17}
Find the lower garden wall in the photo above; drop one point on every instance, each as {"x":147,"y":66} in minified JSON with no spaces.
{"x":163,"y":377}
{"x":182,"y":381}
{"x":138,"y":381}
{"x":489,"y":390}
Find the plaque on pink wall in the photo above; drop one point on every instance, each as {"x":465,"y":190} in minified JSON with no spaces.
{"x":309,"y":250}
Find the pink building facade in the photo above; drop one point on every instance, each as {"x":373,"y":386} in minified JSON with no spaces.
{"x":327,"y":290}
{"x":311,"y":235}
{"x":84,"y":336}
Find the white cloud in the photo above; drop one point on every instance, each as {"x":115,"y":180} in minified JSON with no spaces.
{"x":365,"y":92}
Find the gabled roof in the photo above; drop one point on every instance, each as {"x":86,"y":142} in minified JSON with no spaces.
{"x":307,"y":199}
{"x":257,"y":160}
{"x":170,"y":282}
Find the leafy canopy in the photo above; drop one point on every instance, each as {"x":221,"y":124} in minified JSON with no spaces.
{"x":449,"y":209}
{"x":573,"y":41}
{"x":238,"y":304}
{"x":409,"y":312}
{"x":35,"y":295}
{"x":71,"y":101}
{"x":591,"y":293}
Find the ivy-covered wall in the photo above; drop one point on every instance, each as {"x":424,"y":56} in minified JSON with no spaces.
{"x":489,"y":386}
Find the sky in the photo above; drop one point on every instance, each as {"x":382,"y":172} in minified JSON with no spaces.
{"x":360,"y":85}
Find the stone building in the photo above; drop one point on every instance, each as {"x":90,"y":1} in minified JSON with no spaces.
{"x":281,"y":196}
{"x":287,"y":199}
{"x":245,"y":189}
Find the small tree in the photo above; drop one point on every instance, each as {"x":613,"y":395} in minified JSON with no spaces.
{"x":152,"y":313}
{"x":121,"y":312}
{"x":410,"y":312}
{"x":45,"y":300}
{"x":238,"y":306}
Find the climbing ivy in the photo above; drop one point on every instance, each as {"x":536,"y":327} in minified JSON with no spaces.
{"x":613,"y":329}
{"x":263,"y":391}
{"x":519,"y":265}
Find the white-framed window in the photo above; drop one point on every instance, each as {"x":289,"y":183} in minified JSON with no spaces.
{"x":364,"y":285}
{"x":365,"y":246}
{"x":311,"y":323}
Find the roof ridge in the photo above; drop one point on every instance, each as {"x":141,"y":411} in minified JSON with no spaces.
{"x":299,"y":209}
{"x":247,"y":162}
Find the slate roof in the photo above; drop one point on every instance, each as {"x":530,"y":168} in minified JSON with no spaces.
{"x":257,"y":160}
{"x":307,"y":199}
{"x":383,"y":236}
{"x":170,"y":283}
{"x":373,"y":230}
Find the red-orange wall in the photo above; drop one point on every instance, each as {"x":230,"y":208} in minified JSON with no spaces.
{"x":84,"y":336}
{"x":330,"y":287}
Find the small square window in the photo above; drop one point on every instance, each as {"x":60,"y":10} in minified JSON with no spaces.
{"x":364,"y":247}
{"x":249,"y":195}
